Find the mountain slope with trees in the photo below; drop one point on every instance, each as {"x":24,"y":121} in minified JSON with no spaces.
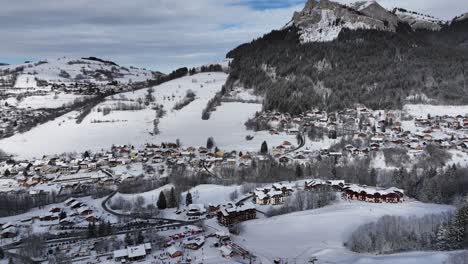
{"x":377,"y":68}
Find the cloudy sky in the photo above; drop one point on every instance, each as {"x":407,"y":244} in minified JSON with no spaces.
{"x":157,"y":34}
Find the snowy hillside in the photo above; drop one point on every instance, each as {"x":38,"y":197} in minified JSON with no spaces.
{"x":462,"y":17}
{"x":71,"y":70}
{"x":98,"y":131}
{"x":417,"y":20}
{"x":322,"y":232}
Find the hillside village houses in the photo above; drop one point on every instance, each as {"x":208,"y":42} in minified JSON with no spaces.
{"x":14,"y":119}
{"x":61,"y":174}
{"x":357,"y":192}
{"x":381,"y":129}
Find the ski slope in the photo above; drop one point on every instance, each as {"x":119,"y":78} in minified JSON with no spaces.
{"x":321,"y":233}
{"x":48,"y":101}
{"x":226,"y":124}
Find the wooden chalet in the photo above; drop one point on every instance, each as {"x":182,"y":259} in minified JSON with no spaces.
{"x":232,"y":214}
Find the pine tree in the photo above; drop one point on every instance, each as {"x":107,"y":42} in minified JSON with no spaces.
{"x":162,"y":203}
{"x":299,"y":171}
{"x":264,"y":148}
{"x":188,"y":199}
{"x":101,"y":229}
{"x":172,"y":201}
{"x":128,"y":239}
{"x":140,"y":238}
{"x":441,"y":241}
{"x":210,"y":143}
{"x":62,"y":215}
{"x":91,"y":230}
{"x":108,"y":230}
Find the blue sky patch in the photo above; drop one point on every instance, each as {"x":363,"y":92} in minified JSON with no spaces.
{"x":269,"y":4}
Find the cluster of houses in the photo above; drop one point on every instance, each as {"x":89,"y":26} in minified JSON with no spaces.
{"x":273,"y":195}
{"x":80,"y":211}
{"x":357,"y":192}
{"x":378,"y":129}
{"x":14,"y":119}
{"x":65,"y":173}
{"x":74,"y":213}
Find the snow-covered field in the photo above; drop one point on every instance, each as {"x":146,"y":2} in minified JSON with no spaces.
{"x":44,"y":101}
{"x":151,"y":197}
{"x":422,"y":110}
{"x":297,"y":237}
{"x":226,"y":124}
{"x":212,"y":194}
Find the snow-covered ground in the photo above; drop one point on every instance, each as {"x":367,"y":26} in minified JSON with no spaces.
{"x":297,"y":237}
{"x":212,"y":194}
{"x":422,"y":110}
{"x":43,"y":101}
{"x":151,"y":197}
{"x":226,"y":124}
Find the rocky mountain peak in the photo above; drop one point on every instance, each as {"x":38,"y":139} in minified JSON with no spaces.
{"x":323,"y":20}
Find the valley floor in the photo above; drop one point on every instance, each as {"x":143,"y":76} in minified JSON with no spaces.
{"x":98,"y":131}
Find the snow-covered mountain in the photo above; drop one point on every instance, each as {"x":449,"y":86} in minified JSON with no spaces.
{"x":419,"y":21}
{"x":462,"y":17}
{"x":71,"y":70}
{"x":323,"y":20}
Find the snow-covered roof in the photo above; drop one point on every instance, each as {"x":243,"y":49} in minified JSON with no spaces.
{"x":226,"y":251}
{"x":120,"y":253}
{"x":136,"y":251}
{"x":200,"y":240}
{"x":172,"y":250}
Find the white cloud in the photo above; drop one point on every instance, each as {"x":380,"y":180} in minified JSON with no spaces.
{"x":159,"y":34}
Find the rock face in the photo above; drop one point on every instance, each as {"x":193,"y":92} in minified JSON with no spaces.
{"x":418,"y":21}
{"x":322,"y":21}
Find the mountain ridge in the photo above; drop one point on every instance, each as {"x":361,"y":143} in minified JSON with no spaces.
{"x":360,"y":65}
{"x":71,"y":70}
{"x":324,"y":20}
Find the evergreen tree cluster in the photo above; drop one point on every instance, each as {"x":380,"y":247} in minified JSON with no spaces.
{"x":100,"y":230}
{"x":392,"y":234}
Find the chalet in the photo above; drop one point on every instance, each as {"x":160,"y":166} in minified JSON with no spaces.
{"x":194,"y":243}
{"x":321,"y":185}
{"x":67,"y":221}
{"x":286,"y":190}
{"x":84,"y":211}
{"x":213,"y":208}
{"x":272,"y":197}
{"x":196,"y":210}
{"x":55,"y":210}
{"x":226,"y":251}
{"x":135,"y":253}
{"x":232,"y":214}
{"x":174,"y":252}
{"x":9,"y":232}
{"x":49,"y":217}
{"x":373,"y":195}
{"x":75,"y":205}
{"x":91,"y":218}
